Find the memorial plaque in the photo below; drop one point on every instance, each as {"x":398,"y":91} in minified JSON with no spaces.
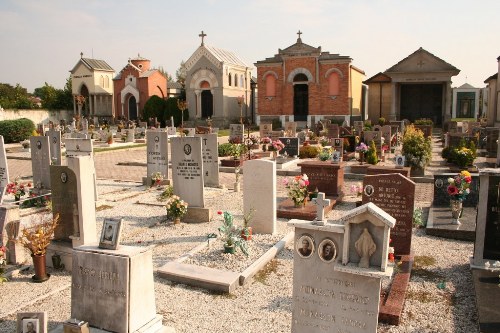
{"x":387,"y":135}
{"x":291,"y":146}
{"x":157,"y":153}
{"x":237,"y":132}
{"x":40,"y":161}
{"x":291,"y":128}
{"x":441,"y":196}
{"x":187,"y":170}
{"x":395,"y":194}
{"x":338,"y":145}
{"x":55,"y":146}
{"x":79,"y":147}
{"x":4,"y":170}
{"x":333,"y":131}
{"x":210,"y":157}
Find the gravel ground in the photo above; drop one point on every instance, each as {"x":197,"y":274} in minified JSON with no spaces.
{"x":440,"y":299}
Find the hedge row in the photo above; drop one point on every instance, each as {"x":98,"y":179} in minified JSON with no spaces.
{"x":16,"y":130}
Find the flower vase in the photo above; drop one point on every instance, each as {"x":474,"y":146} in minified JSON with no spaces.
{"x":456,"y":210}
{"x":40,"y":268}
{"x":361,"y":158}
{"x":177,"y":220}
{"x":275,"y":154}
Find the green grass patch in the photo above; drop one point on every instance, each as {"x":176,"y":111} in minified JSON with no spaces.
{"x":223,"y":132}
{"x":263,"y":274}
{"x":422,"y":296}
{"x":423,"y":261}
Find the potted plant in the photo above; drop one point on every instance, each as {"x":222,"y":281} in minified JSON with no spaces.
{"x":297,"y":189}
{"x":36,"y":239}
{"x":325,"y":154}
{"x":371,"y":155}
{"x":17,"y":189}
{"x":231,"y":235}
{"x":361,"y":149}
{"x":156,"y":178}
{"x":458,"y":189}
{"x":176,"y":208}
{"x":417,"y":149}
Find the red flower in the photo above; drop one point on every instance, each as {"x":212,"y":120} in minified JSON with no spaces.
{"x":468,"y":179}
{"x":452,"y":190}
{"x":219,"y":212}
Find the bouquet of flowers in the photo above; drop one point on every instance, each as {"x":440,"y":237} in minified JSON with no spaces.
{"x":254,"y":139}
{"x":277,"y":145}
{"x":297,"y":188}
{"x":357,"y":189}
{"x":458,"y":187}
{"x":176,"y":208}
{"x":266,"y":140}
{"x":362,"y":148}
{"x":17,"y":189}
{"x":156,"y":178}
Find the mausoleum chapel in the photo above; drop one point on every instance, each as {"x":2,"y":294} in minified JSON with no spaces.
{"x":418,"y":86}
{"x":305,"y":84}
{"x":92,"y":79}
{"x":134,"y":85}
{"x":217,"y":83}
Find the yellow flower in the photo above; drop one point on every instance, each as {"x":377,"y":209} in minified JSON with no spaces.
{"x":465,"y":173}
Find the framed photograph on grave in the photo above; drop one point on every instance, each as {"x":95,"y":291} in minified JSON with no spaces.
{"x":400,"y":161}
{"x":327,"y":250}
{"x":305,"y":246}
{"x":32,"y":322}
{"x":336,"y":157}
{"x":110,"y":234}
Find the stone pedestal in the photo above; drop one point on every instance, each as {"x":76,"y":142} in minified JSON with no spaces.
{"x":114,"y":289}
{"x":327,"y":177}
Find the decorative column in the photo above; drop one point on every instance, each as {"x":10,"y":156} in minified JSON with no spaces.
{"x":197,"y":94}
{"x":394,"y":91}
{"x":447,"y":101}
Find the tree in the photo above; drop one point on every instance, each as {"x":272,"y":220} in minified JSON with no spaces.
{"x":181,"y":73}
{"x":154,"y":107}
{"x":165,"y":74}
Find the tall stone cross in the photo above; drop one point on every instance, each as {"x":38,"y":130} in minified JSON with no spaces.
{"x":321,"y":203}
{"x":202,"y":35}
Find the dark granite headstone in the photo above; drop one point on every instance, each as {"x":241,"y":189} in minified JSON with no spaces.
{"x":395,"y":194}
{"x":291,"y":146}
{"x":327,"y":177}
{"x":492,"y":231}
{"x":441,"y":196}
{"x":333,"y":131}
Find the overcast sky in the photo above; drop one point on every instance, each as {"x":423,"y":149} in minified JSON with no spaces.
{"x":42,"y":40}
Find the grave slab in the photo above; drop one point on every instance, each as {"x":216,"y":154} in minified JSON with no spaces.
{"x":200,"y":276}
{"x":286,"y":209}
{"x":487,"y":300}
{"x":439,"y":223}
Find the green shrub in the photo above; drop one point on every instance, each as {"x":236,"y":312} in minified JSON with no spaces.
{"x":423,"y":121}
{"x":381,"y":121}
{"x":371,"y":154}
{"x":16,"y":130}
{"x":416,"y":147}
{"x":225,"y":149}
{"x":463,"y":157}
{"x":309,"y":152}
{"x":324,"y":155}
{"x":417,"y":218}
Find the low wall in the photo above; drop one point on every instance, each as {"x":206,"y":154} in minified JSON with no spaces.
{"x":37,"y":116}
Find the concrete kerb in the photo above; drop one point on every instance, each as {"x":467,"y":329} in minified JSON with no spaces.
{"x":247,"y":275}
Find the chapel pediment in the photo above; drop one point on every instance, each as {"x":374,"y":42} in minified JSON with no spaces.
{"x":300,"y":49}
{"x":216,"y":56}
{"x":422,"y":61}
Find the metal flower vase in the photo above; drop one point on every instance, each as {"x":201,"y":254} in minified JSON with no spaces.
{"x":456,"y":211}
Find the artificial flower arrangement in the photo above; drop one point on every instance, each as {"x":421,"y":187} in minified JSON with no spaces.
{"x":357,"y":189}
{"x":176,"y":208}
{"x":266,"y":140}
{"x":362,"y":148}
{"x":37,"y":238}
{"x":277,"y":145}
{"x":254,"y":139}
{"x":458,"y":187}
{"x":17,"y":189}
{"x":297,"y":189}
{"x":231,"y":235}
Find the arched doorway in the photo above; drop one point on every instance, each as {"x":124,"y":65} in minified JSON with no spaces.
{"x":132,"y":108}
{"x":84,"y":91}
{"x":300,"y":97}
{"x":207,"y":104}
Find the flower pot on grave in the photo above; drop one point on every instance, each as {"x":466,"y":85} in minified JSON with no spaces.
{"x":231,"y":249}
{"x":177,"y":220}
{"x":40,"y":268}
{"x":417,"y":171}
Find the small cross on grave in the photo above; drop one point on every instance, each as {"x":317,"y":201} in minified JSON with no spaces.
{"x":202,"y":35}
{"x":321,"y":204}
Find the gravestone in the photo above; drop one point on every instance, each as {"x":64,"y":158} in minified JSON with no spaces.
{"x":190,"y":131}
{"x":338,"y":145}
{"x":359,"y":126}
{"x":130,"y":135}
{"x":259,"y":195}
{"x":327,"y":177}
{"x":265,"y":129}
{"x":9,"y":233}
{"x":79,"y":135}
{"x":85,"y":125}
{"x":187,"y":170}
{"x":172,"y":131}
{"x":387,"y":135}
{"x":377,"y":128}
{"x":291,"y":128}
{"x":82,"y":147}
{"x":441,"y":196}
{"x":114,"y":289}
{"x":333,"y":131}
{"x":331,"y":293}
{"x":55,"y":146}
{"x":292,"y":146}
{"x":237,"y":132}
{"x":210,"y":159}
{"x":4,"y":170}
{"x":487,"y":241}
{"x":395,"y":194}
{"x":344,"y":131}
{"x":157,"y":154}
{"x":73,"y":201}
{"x":40,"y":161}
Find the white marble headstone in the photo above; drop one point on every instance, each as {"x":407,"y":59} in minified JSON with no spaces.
{"x":157,"y":152}
{"x":55,"y":146}
{"x":259,"y":194}
{"x":40,"y":161}
{"x":210,"y":156}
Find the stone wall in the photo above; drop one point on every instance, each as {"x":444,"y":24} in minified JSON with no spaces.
{"x":37,"y":116}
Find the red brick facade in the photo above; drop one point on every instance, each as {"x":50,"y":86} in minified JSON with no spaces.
{"x":145,"y":83}
{"x":319,"y":65}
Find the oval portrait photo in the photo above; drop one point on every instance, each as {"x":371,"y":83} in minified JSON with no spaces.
{"x":305,"y":246}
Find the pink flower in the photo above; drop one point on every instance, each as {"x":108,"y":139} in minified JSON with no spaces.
{"x":307,"y":182}
{"x":285,"y":181}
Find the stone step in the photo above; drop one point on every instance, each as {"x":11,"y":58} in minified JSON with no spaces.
{"x":200,"y":276}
